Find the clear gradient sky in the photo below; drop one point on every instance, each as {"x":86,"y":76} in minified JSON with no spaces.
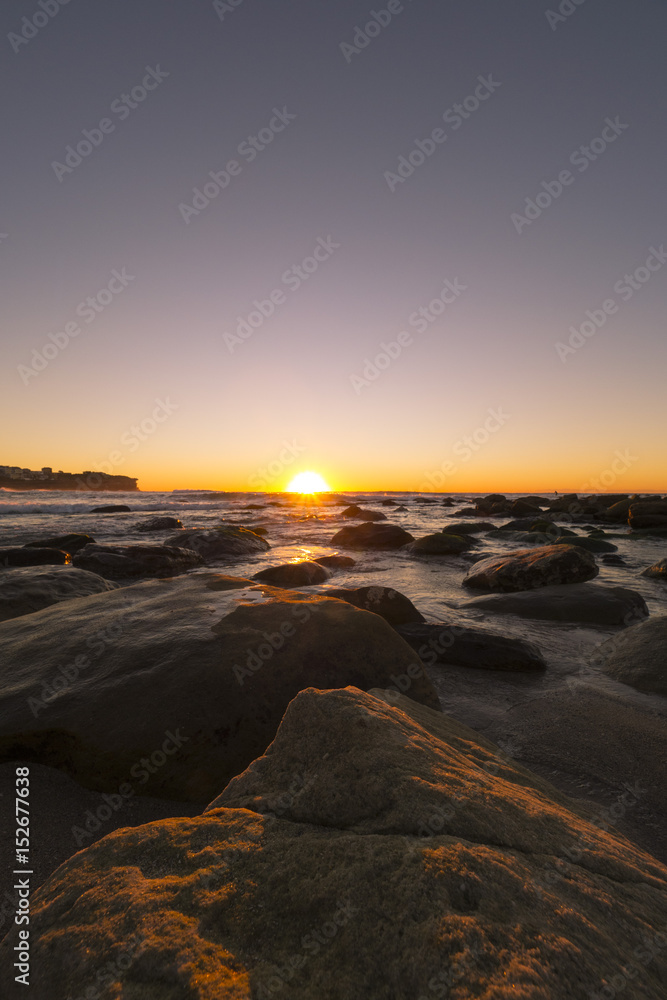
{"x":495,"y":392}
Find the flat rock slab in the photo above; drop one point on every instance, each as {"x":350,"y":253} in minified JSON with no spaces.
{"x":27,"y":589}
{"x":416,"y":860}
{"x":301,"y":574}
{"x":66,"y":543}
{"x":585,"y":603}
{"x":372,"y":536}
{"x":471,"y":647}
{"x":395,"y":608}
{"x":127,"y":562}
{"x":527,"y":569}
{"x":638,"y":656}
{"x":205,"y":662}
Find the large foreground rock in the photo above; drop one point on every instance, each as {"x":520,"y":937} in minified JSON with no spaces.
{"x":638,"y":656}
{"x":376,"y":851}
{"x":461,"y":646}
{"x":395,"y":608}
{"x":203,"y":661}
{"x":372,"y":536}
{"x":586,"y":603}
{"x":127,"y":562}
{"x":27,"y":589}
{"x":530,"y":568}
{"x":219,"y":543}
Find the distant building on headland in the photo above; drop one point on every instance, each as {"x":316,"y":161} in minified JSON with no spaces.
{"x":12,"y":477}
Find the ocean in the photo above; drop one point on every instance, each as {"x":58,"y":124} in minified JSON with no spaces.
{"x":300,"y":528}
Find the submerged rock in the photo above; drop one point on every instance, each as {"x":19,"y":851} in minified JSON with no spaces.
{"x":418,"y":859}
{"x":66,"y":543}
{"x":440,"y":544}
{"x":301,"y":574}
{"x":372,"y":536}
{"x":468,"y":527}
{"x":363,"y":515}
{"x":530,"y":568}
{"x":638,"y":656}
{"x":217,"y":543}
{"x":395,"y":608}
{"x":125,"y":562}
{"x":589,"y":544}
{"x":33,"y":557}
{"x":112,"y":508}
{"x":658,"y":571}
{"x":461,"y":646}
{"x":27,"y":589}
{"x":159,"y":524}
{"x":586,"y":603}
{"x":205,"y":661}
{"x":335,"y":562}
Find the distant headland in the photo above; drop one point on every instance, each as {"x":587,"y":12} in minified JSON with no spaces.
{"x":14,"y":478}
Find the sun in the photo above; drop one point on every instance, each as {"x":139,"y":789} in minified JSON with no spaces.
{"x":308,"y":482}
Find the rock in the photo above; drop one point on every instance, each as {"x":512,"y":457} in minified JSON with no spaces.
{"x":589,"y":544}
{"x":529,"y":568}
{"x":418,"y":859}
{"x":66,"y":543}
{"x":638,"y":656}
{"x":372,"y":536}
{"x":301,"y":574}
{"x":619,"y":511}
{"x":125,"y":562}
{"x":440,"y":544}
{"x":461,"y":646}
{"x":389,"y":503}
{"x":33,"y":557}
{"x":29,"y":589}
{"x":205,"y":662}
{"x":114,"y":508}
{"x":648,"y":514}
{"x":335,"y":562}
{"x":468,"y":527}
{"x":521,"y":508}
{"x":363,"y":515}
{"x":70,"y":817}
{"x":658,"y":571}
{"x":613,"y":560}
{"x":532,"y":523}
{"x":159,"y":524}
{"x":586,"y":603}
{"x":218,"y":543}
{"x":494,"y":498}
{"x":395,"y":608}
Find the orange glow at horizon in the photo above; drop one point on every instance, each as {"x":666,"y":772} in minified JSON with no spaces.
{"x":308,"y":482}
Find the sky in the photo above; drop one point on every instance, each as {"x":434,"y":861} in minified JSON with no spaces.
{"x":410,"y":246}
